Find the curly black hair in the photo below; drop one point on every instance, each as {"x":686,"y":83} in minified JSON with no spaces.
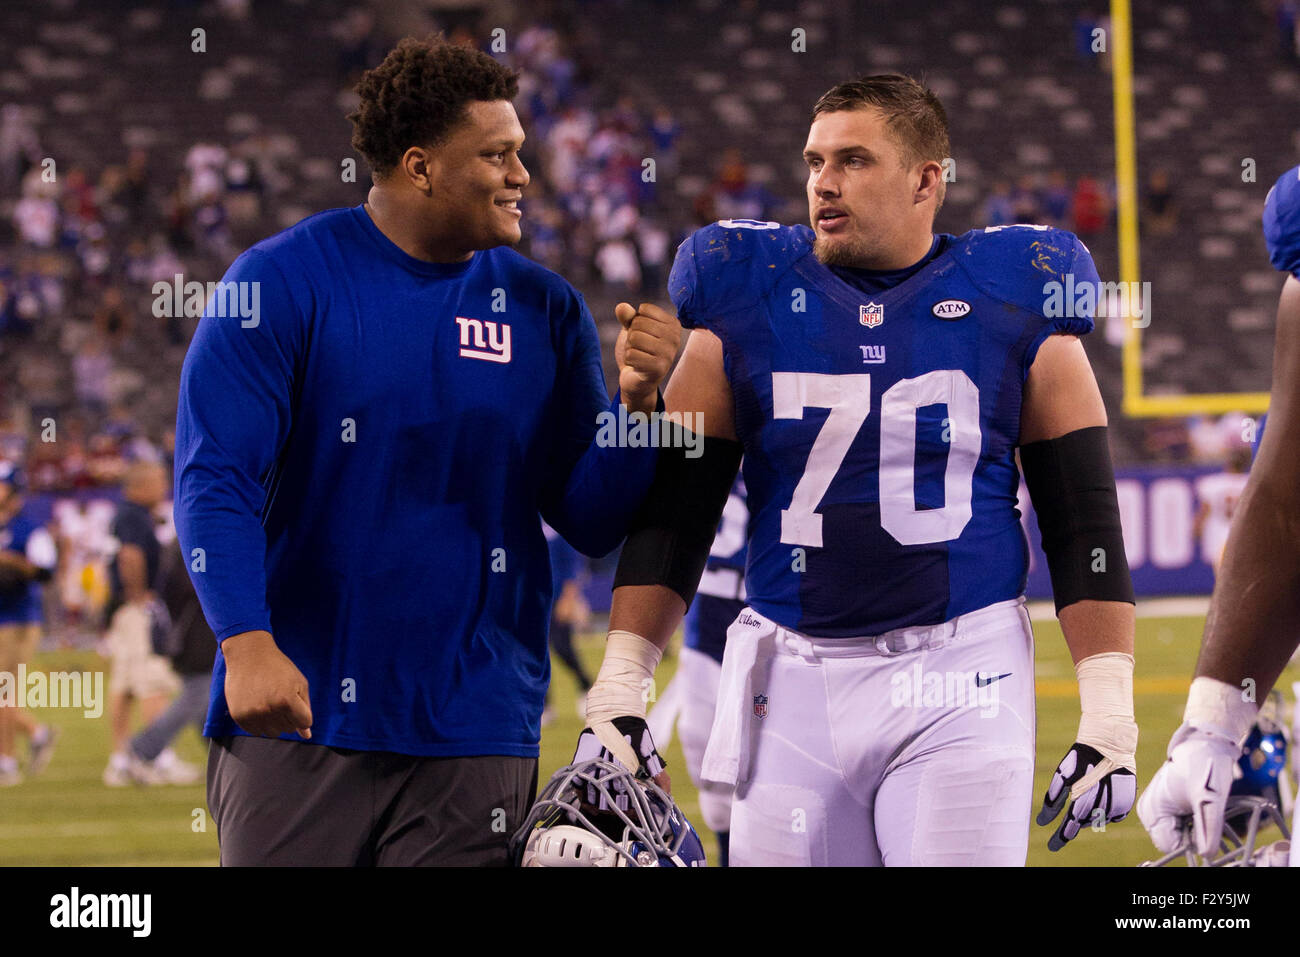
{"x":419,"y":93}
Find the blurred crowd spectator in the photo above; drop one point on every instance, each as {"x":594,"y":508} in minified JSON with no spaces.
{"x":589,"y":215}
{"x":1224,"y":440}
{"x":1086,"y":208}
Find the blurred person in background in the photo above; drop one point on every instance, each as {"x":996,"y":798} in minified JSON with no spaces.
{"x":1219,"y":492}
{"x":112,"y":319}
{"x":1055,"y":200}
{"x":998,"y":210}
{"x":1166,"y":440}
{"x":734,"y":195}
{"x":192,"y":647}
{"x":20,"y":147}
{"x":652,"y":243}
{"x":137,"y":673}
{"x":569,"y":614}
{"x":82,"y":529}
{"x":36,"y":215}
{"x":91,"y":368}
{"x":1090,"y":209}
{"x":1025,"y":207}
{"x":664,"y":132}
{"x":1159,"y":206}
{"x":27,"y":559}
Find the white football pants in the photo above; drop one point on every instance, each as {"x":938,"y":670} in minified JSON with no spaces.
{"x":699,"y":675}
{"x":910,"y":748}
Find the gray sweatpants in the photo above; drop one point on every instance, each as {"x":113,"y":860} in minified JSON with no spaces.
{"x":288,"y":803}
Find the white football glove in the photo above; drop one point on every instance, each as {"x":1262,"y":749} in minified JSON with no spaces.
{"x":1193,"y":784}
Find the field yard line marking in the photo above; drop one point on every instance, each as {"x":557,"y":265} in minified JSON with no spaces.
{"x":1159,"y":684}
{"x":14,"y":832}
{"x":1189,"y":607}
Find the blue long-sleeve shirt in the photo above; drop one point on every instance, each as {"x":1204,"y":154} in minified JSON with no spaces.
{"x":363,"y":451}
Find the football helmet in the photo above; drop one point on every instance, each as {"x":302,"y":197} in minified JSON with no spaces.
{"x":636,"y":825}
{"x":1260,"y":770}
{"x":1244,"y":816}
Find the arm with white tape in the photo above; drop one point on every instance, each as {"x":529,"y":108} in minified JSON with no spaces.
{"x":663,"y":557}
{"x":1065,"y":457}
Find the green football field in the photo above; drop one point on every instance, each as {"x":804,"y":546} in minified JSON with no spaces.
{"x":67,"y":817}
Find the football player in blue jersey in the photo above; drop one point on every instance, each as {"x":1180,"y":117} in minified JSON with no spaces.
{"x":1254,"y":622}
{"x":876,"y":701}
{"x":28,"y":557}
{"x":365,"y":449}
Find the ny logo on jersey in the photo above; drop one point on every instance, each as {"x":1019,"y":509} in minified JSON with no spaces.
{"x":496,"y":348}
{"x":873,"y":354}
{"x":871,"y":315}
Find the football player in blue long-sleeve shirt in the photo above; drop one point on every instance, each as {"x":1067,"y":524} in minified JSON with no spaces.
{"x":379,"y":407}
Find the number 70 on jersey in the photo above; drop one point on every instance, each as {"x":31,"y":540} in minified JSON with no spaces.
{"x":848,"y":399}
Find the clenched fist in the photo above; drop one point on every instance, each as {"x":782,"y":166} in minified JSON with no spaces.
{"x":647,"y":345}
{"x":266,"y":693}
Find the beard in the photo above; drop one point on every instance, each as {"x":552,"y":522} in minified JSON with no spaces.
{"x":851,"y":252}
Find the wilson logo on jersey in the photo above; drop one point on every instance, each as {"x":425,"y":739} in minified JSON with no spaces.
{"x":871,"y":315}
{"x":473,"y":345}
{"x":873,"y":353}
{"x":951,"y":308}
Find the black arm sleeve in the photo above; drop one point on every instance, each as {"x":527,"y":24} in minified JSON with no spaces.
{"x":671,"y":534}
{"x":1072,"y":485}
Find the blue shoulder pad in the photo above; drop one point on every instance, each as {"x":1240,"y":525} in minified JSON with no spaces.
{"x":1282,"y":222}
{"x":730,"y":265}
{"x":1043,"y":270}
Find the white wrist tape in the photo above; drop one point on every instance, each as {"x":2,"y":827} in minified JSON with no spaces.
{"x":1106,"y":703}
{"x":625,"y":679}
{"x":1218,"y":707}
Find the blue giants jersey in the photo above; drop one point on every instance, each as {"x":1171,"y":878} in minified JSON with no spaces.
{"x":879,"y":430}
{"x":27,"y":537}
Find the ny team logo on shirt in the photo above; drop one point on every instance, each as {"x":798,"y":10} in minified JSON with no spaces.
{"x":495,"y":347}
{"x":871,"y":315}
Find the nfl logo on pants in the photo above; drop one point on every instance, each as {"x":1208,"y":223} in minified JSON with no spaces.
{"x":760,"y":706}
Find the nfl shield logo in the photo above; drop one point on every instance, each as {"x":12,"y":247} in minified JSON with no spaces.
{"x":871,"y":315}
{"x":760,"y":706}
